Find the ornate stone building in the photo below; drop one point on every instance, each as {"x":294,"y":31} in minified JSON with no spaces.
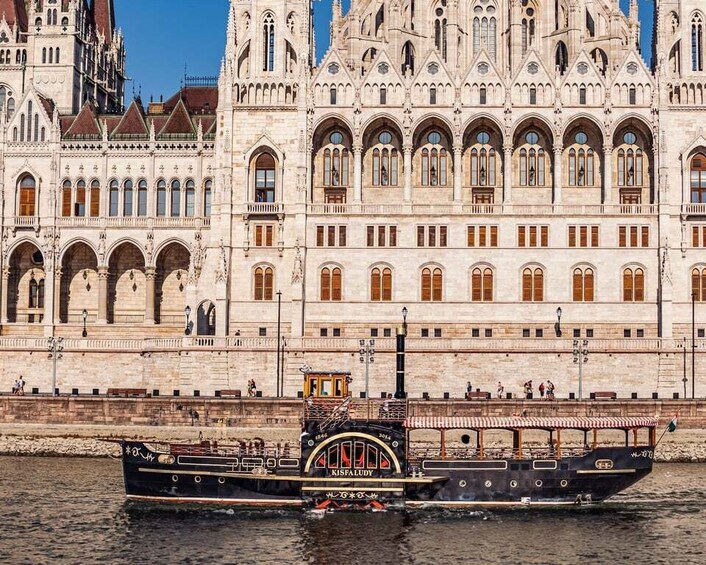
{"x":481,"y":162}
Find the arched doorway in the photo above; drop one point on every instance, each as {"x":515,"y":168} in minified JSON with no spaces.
{"x":79,"y":284}
{"x":26,"y":285}
{"x":170,"y":284}
{"x":206,"y":319}
{"x":126,"y":285}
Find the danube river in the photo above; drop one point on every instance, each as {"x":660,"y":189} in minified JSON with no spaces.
{"x":57,"y":510}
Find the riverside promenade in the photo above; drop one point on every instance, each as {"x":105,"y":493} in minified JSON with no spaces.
{"x":71,"y":425}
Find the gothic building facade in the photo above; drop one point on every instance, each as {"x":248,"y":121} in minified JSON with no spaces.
{"x":510,"y":171}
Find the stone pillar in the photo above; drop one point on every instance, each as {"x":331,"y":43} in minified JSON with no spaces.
{"x":52,"y":297}
{"x":458,"y":176}
{"x":507,"y":174}
{"x":407,"y":150}
{"x":607,"y":174}
{"x":557,"y":174}
{"x":358,"y":173}
{"x":150,"y":275}
{"x":102,"y":295}
{"x":3,"y":297}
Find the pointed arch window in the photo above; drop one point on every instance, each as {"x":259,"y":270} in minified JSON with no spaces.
{"x":336,"y":161}
{"x":533,"y":284}
{"x":581,"y":162}
{"x":633,"y":285}
{"x":381,"y":284}
{"x":582,"y":282}
{"x":483,"y":159}
{"x":528,"y":25}
{"x":142,"y":198}
{"x":80,"y":202}
{"x":127,"y":198}
{"x":697,"y":179}
{"x":434,"y":161}
{"x":36,"y":293}
{"x":207,"y":196}
{"x":114,"y":194}
{"x":432,"y":281}
{"x":331,"y":284}
{"x":264,"y":283}
{"x":95,"y":198}
{"x":161,"y":198}
{"x":265,"y":178}
{"x":440,"y":30}
{"x":175,"y":193}
{"x":385,"y":161}
{"x":532,"y":161}
{"x":190,"y":199}
{"x":630,"y":162}
{"x":268,"y":42}
{"x":27,"y":204}
{"x":482,"y":284}
{"x":484,"y":28}
{"x":697,"y":42}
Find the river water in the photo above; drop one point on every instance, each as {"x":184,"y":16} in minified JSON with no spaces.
{"x":57,"y":510}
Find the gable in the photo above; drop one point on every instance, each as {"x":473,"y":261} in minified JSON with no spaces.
{"x":382,"y":73}
{"x":632,"y":74}
{"x":583,"y":76}
{"x":85,"y":125}
{"x":132,"y":123}
{"x":30,"y":123}
{"x":533,"y":74}
{"x":179,"y":122}
{"x":432,"y":73}
{"x":483,"y":73}
{"x":333,"y":73}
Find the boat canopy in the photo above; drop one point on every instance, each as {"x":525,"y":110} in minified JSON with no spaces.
{"x":518,"y":422}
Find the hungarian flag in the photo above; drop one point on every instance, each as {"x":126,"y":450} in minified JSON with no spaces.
{"x":672,"y":424}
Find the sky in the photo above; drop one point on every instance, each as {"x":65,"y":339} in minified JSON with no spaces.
{"x":168,"y":39}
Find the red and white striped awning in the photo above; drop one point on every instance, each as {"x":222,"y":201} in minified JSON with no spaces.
{"x":517,"y":422}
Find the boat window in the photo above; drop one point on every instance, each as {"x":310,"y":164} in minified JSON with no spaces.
{"x":359,"y":455}
{"x":346,"y":462}
{"x":333,"y":456}
{"x":372,"y":457}
{"x":325,"y":387}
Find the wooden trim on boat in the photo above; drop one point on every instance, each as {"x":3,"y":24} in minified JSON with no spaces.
{"x":206,"y":500}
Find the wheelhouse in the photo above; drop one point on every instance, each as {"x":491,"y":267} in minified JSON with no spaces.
{"x":326,"y":384}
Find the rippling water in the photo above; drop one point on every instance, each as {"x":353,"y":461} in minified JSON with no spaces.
{"x":73,"y":511}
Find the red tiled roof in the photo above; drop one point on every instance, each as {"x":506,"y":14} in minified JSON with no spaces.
{"x":198,"y":99}
{"x":48,"y":105}
{"x":104,"y":18}
{"x":133,"y":122}
{"x":14,"y":12}
{"x":85,"y":124}
{"x":178,"y":122}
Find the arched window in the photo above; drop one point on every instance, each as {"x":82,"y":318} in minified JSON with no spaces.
{"x":190,"y":199}
{"x":58,"y":52}
{"x":66,"y":194}
{"x":265,"y":178}
{"x":385,"y":161}
{"x":381,"y":284}
{"x":698,"y":179}
{"x":432,"y":280}
{"x":633,"y":285}
{"x":434,"y":161}
{"x":582,"y":283}
{"x":175,"y":198}
{"x":207,"y":195}
{"x":335,"y":161}
{"x":484,"y":28}
{"x":529,"y":14}
{"x":44,"y":55}
{"x":142,"y":198}
{"x":482,"y":284}
{"x":332,"y":96}
{"x":127,"y":198}
{"x":331,"y":284}
{"x":80,"y":203}
{"x":268,"y":43}
{"x":27,"y":204}
{"x":561,"y":57}
{"x":114,"y":194}
{"x":36,"y":293}
{"x":581,"y":161}
{"x":698,"y":284}
{"x":532,"y":161}
{"x":630,"y":161}
{"x":532,"y":284}
{"x":483,"y":159}
{"x":264,"y":283}
{"x":408,"y":58}
{"x":697,"y":42}
{"x":440,"y":31}
{"x":95,"y":198}
{"x":161,"y":198}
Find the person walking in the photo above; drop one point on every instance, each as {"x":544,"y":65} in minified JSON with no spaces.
{"x":501,"y":389}
{"x":21,"y":386}
{"x":541,"y":390}
{"x":550,"y":390}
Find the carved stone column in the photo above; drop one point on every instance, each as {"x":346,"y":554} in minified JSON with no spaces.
{"x":507,"y":174}
{"x":558,"y":150}
{"x":357,"y":173}
{"x":102,"y":295}
{"x":458,"y":176}
{"x":3,"y":297}
{"x":52,"y":297}
{"x":407,"y":151}
{"x":607,"y":174}
{"x":150,"y":276}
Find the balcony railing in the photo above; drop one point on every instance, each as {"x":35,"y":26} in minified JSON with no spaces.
{"x":265,"y":208}
{"x":133,"y":222}
{"x":694,"y":209}
{"x":485,"y":209}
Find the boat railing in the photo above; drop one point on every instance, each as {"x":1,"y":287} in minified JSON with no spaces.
{"x":330,"y":409}
{"x":421,"y":453}
{"x":242,"y":449}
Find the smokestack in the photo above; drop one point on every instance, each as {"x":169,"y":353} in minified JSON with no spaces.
{"x":401,"y":336}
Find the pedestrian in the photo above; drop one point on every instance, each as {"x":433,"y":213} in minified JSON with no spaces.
{"x":250,"y":388}
{"x":14,"y":386}
{"x":469,"y":388}
{"x":501,"y":389}
{"x":550,"y":390}
{"x":21,"y":386}
{"x":254,"y":388}
{"x":541,"y":390}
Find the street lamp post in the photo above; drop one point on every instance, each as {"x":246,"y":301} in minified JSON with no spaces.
{"x":55,"y":347}
{"x":580,"y":357}
{"x":693,"y":345}
{"x":401,"y":337}
{"x":684,"y":380}
{"x":84,"y":314}
{"x":558,"y":322}
{"x":367,"y":356}
{"x":187,"y":313}
{"x":279,"y":323}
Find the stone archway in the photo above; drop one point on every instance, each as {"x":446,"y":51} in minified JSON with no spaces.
{"x":26,"y":285}
{"x":79,"y":284}
{"x":170,"y":284}
{"x":127,"y":285}
{"x":206,"y":319}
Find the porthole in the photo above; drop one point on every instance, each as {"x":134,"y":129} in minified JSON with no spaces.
{"x":395,"y":444}
{"x":564,"y":483}
{"x":630,"y":138}
{"x":175,"y":479}
{"x":310,"y":443}
{"x":581,"y":138}
{"x":462,"y":483}
{"x":434,"y":138}
{"x":197,"y":479}
{"x":221,"y":480}
{"x":488,"y":484}
{"x":532,"y":138}
{"x":538,"y":483}
{"x":513,"y":484}
{"x":336,"y":138}
{"x":385,"y":137}
{"x":582,"y":68}
{"x":483,"y":137}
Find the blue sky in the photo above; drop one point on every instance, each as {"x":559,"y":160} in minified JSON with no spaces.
{"x":165,"y":37}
